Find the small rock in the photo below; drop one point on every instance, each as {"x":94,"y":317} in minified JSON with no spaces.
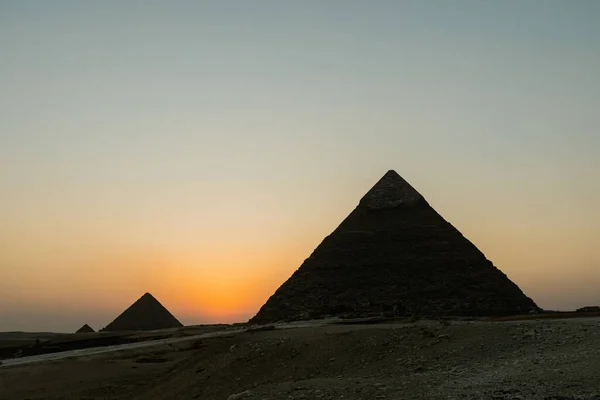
{"x":241,"y":395}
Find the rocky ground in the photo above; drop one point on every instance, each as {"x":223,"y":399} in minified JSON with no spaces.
{"x":541,"y":359}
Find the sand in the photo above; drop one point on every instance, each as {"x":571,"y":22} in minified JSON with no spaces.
{"x":540,"y":359}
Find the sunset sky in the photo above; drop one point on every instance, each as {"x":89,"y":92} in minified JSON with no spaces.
{"x":200,"y":150}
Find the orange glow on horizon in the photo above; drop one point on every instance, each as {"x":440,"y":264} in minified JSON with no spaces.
{"x":226,"y":286}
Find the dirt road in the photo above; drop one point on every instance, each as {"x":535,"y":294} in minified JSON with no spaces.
{"x":107,"y":349}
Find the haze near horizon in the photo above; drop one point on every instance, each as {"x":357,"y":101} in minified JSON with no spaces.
{"x":200,"y":151}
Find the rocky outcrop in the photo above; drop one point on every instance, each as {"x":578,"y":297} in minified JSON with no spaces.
{"x":589,"y":309}
{"x":395,"y":252}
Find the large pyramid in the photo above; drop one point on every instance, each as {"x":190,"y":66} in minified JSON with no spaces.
{"x":395,"y":252}
{"x":145,"y":314}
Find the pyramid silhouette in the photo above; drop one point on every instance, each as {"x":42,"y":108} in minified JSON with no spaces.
{"x":145,"y":314}
{"x":394,"y":253}
{"x":85,"y":329}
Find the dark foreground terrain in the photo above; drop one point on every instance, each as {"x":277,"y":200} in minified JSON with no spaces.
{"x":536,"y":359}
{"x":24,"y":344}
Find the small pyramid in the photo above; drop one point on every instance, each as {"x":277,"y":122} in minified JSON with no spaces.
{"x":394,"y":252}
{"x":145,"y":314}
{"x":85,"y":329}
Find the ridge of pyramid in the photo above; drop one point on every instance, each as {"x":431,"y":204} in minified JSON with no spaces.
{"x":394,"y":253}
{"x":146,"y":313}
{"x":85,"y":329}
{"x":389,"y":192}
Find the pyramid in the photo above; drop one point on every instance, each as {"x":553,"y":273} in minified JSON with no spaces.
{"x":395,"y":253}
{"x":85,"y":329}
{"x":145,"y":314}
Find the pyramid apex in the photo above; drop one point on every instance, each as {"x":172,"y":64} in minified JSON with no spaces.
{"x":389,"y":192}
{"x":147,"y":296}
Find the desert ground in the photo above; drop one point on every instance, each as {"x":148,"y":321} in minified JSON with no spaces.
{"x":399,"y":359}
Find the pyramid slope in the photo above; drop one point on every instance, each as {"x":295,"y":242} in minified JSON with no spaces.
{"x":394,"y":250}
{"x":144,"y":315}
{"x":85,"y":329}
